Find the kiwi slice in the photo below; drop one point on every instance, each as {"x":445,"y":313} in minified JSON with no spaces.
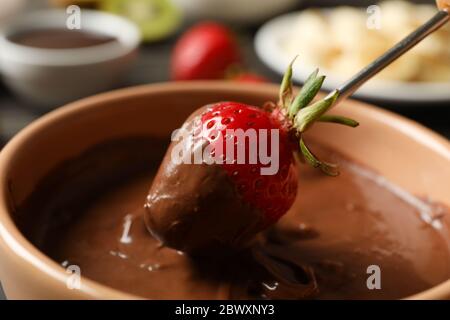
{"x":156,"y":19}
{"x":91,"y":4}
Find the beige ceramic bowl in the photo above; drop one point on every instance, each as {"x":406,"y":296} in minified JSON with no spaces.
{"x":406,"y":153}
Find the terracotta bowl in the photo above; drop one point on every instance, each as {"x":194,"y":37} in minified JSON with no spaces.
{"x":406,"y":153}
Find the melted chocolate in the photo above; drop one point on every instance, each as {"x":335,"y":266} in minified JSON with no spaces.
{"x":60,"y":38}
{"x":321,"y":248}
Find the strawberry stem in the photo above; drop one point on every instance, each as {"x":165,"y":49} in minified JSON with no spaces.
{"x":308,"y":115}
{"x":303,"y":116}
{"x":339,"y":120}
{"x":307,"y":93}
{"x":327,"y":168}
{"x":285,"y":95}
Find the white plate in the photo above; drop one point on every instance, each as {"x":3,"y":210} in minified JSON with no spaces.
{"x":268,"y":48}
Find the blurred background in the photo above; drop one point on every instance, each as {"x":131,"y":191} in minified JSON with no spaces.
{"x":251,"y":41}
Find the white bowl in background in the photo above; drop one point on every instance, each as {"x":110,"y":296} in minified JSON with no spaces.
{"x":50,"y":77}
{"x":233,"y":11}
{"x":9,"y":8}
{"x":268,"y":47}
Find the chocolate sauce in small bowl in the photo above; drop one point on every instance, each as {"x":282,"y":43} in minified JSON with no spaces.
{"x":59,"y":38}
{"x":38,"y":52}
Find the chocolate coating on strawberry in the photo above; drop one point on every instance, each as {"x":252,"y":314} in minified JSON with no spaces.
{"x":189,"y":206}
{"x":232,"y":170}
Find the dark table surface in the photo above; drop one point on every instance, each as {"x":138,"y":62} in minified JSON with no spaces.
{"x":153,"y":66}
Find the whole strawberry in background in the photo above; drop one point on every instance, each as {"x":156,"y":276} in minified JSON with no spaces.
{"x":205,"y":51}
{"x":249,"y":77}
{"x":221,"y":205}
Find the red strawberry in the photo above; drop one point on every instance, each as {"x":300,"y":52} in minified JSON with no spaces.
{"x":273,"y":194}
{"x":195,"y":206}
{"x":249,"y":77}
{"x":205,"y":51}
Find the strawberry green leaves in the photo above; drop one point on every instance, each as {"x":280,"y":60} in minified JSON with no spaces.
{"x":307,"y":93}
{"x":285,"y":95}
{"x":327,"y":168}
{"x":338,"y":119}
{"x":303,"y":114}
{"x":310,"y":114}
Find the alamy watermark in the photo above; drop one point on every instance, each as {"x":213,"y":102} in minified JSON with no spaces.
{"x":232,"y":146}
{"x":374,"y":20}
{"x":2,"y":292}
{"x":73,"y":281}
{"x":374,"y":280}
{"x":73,"y":21}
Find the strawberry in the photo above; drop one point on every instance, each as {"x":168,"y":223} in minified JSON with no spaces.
{"x":260,"y":191}
{"x":205,"y":51}
{"x":222,"y":201}
{"x":249,"y":77}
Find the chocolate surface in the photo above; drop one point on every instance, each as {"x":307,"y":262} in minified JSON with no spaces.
{"x":60,"y":38}
{"x":337,"y":228}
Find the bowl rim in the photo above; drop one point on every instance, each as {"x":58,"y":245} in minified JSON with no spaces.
{"x":14,"y":241}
